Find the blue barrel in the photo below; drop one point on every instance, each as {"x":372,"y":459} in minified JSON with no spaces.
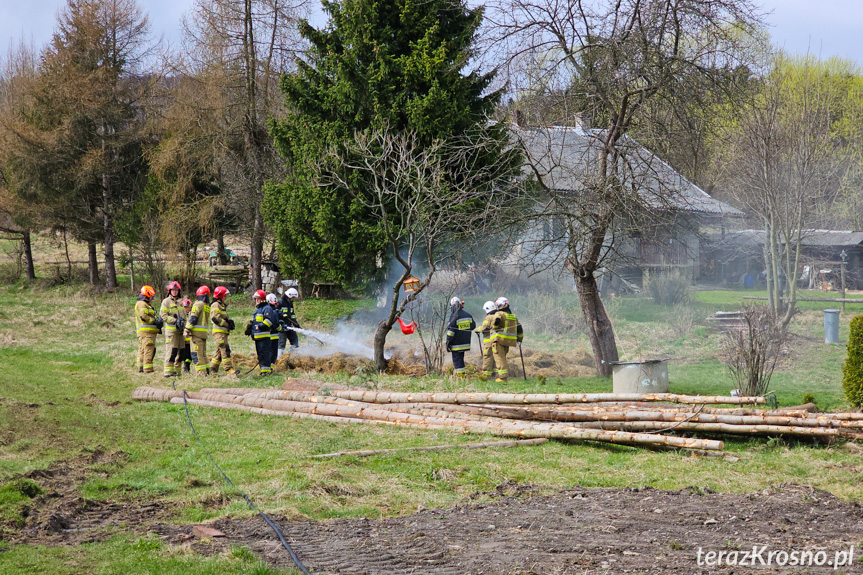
{"x":749,"y":281}
{"x":831,"y":326}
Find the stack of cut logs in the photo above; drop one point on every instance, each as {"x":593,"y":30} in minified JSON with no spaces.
{"x":634,"y":419}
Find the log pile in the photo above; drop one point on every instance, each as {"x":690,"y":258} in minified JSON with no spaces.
{"x":657,"y":420}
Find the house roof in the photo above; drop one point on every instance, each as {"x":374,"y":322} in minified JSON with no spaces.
{"x":563,"y":154}
{"x":811,"y":238}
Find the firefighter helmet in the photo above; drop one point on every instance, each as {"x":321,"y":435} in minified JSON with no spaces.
{"x":203,"y":290}
{"x":186,"y":302}
{"x":147,"y":291}
{"x":260,"y":294}
{"x":220,"y":292}
{"x":271,"y":298}
{"x":293,"y":293}
{"x":501,"y":302}
{"x":456,"y":303}
{"x":174,"y":285}
{"x":488,"y":307}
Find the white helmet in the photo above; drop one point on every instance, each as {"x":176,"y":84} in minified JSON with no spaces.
{"x":271,"y":298}
{"x":455,"y":302}
{"x":293,"y":293}
{"x":501,"y":302}
{"x":488,"y":307}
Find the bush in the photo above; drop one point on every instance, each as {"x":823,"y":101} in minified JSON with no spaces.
{"x":852,"y":371}
{"x":668,"y":289}
{"x":751,"y":351}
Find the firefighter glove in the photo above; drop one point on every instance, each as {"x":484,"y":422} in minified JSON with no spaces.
{"x":231,"y":325}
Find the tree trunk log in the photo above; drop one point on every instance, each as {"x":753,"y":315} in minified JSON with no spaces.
{"x":529,"y":398}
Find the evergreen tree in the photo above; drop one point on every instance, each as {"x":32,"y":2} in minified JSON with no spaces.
{"x":394,"y":65}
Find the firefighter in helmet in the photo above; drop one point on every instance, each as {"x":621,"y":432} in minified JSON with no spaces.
{"x":171,"y":312}
{"x":485,"y":329}
{"x":288,"y":317}
{"x":196,"y":329}
{"x":458,"y":335}
{"x":186,"y":350}
{"x":147,"y":327}
{"x":506,"y":332}
{"x":222,"y":326}
{"x":276,"y":328}
{"x":260,"y":327}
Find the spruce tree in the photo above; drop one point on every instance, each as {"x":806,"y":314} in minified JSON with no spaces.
{"x":391,"y":64}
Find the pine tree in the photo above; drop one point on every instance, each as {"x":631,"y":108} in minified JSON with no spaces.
{"x":393,"y":65}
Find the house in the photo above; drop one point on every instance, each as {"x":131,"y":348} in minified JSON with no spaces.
{"x":741,"y":253}
{"x":562,"y":158}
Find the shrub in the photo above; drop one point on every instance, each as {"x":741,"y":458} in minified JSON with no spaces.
{"x":852,"y":371}
{"x":668,"y":289}
{"x":751,"y":351}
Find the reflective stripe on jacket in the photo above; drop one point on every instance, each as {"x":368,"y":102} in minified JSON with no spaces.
{"x":505,"y":328}
{"x":169,"y":311}
{"x":263,"y":320}
{"x":201,"y":311}
{"x":458,"y":334}
{"x":219,"y":315}
{"x":145,"y":317}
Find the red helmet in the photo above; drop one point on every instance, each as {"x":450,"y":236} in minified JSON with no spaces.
{"x":147,"y":291}
{"x":203,"y":290}
{"x":186,"y":302}
{"x":260,"y":294}
{"x":220,"y":292}
{"x":174,"y":285}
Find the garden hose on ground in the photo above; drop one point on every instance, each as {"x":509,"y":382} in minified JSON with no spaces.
{"x":251,"y":505}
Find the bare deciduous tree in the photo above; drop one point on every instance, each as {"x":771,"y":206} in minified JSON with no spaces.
{"x":237,"y":51}
{"x":420,"y":209}
{"x":606,"y":61}
{"x":785,"y":159}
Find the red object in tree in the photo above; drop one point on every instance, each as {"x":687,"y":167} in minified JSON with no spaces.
{"x":407,"y":328}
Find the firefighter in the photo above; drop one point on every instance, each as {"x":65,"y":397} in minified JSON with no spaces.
{"x":186,"y":350}
{"x":288,"y":316}
{"x":147,"y":327}
{"x":276,"y":328}
{"x":196,"y":329}
{"x":171,"y":312}
{"x":458,"y":335}
{"x":222,"y":326}
{"x":259,"y":328}
{"x":485,"y":329}
{"x":506,"y":332}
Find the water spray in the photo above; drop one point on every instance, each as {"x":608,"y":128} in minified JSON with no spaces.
{"x":333,"y":344}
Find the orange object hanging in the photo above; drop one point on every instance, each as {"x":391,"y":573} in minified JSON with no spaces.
{"x":407,"y":328}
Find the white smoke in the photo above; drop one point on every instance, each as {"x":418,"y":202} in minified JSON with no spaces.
{"x":347,"y":339}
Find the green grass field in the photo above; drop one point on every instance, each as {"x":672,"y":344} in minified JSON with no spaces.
{"x":67,"y":375}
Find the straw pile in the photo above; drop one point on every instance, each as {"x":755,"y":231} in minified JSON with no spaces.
{"x":658,"y":420}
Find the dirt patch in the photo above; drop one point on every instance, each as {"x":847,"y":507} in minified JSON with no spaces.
{"x":58,"y":515}
{"x":577,"y":531}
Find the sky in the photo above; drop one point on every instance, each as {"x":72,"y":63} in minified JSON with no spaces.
{"x":821,"y":27}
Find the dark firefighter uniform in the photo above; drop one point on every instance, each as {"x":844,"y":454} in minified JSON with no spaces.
{"x":171,"y":311}
{"x":506,"y":332}
{"x":147,"y":330}
{"x":263,"y":320}
{"x":288,"y":316}
{"x":458,"y":338}
{"x":222,"y":326}
{"x":196,"y":328}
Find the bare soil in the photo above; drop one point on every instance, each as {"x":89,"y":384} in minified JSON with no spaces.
{"x":517,"y":531}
